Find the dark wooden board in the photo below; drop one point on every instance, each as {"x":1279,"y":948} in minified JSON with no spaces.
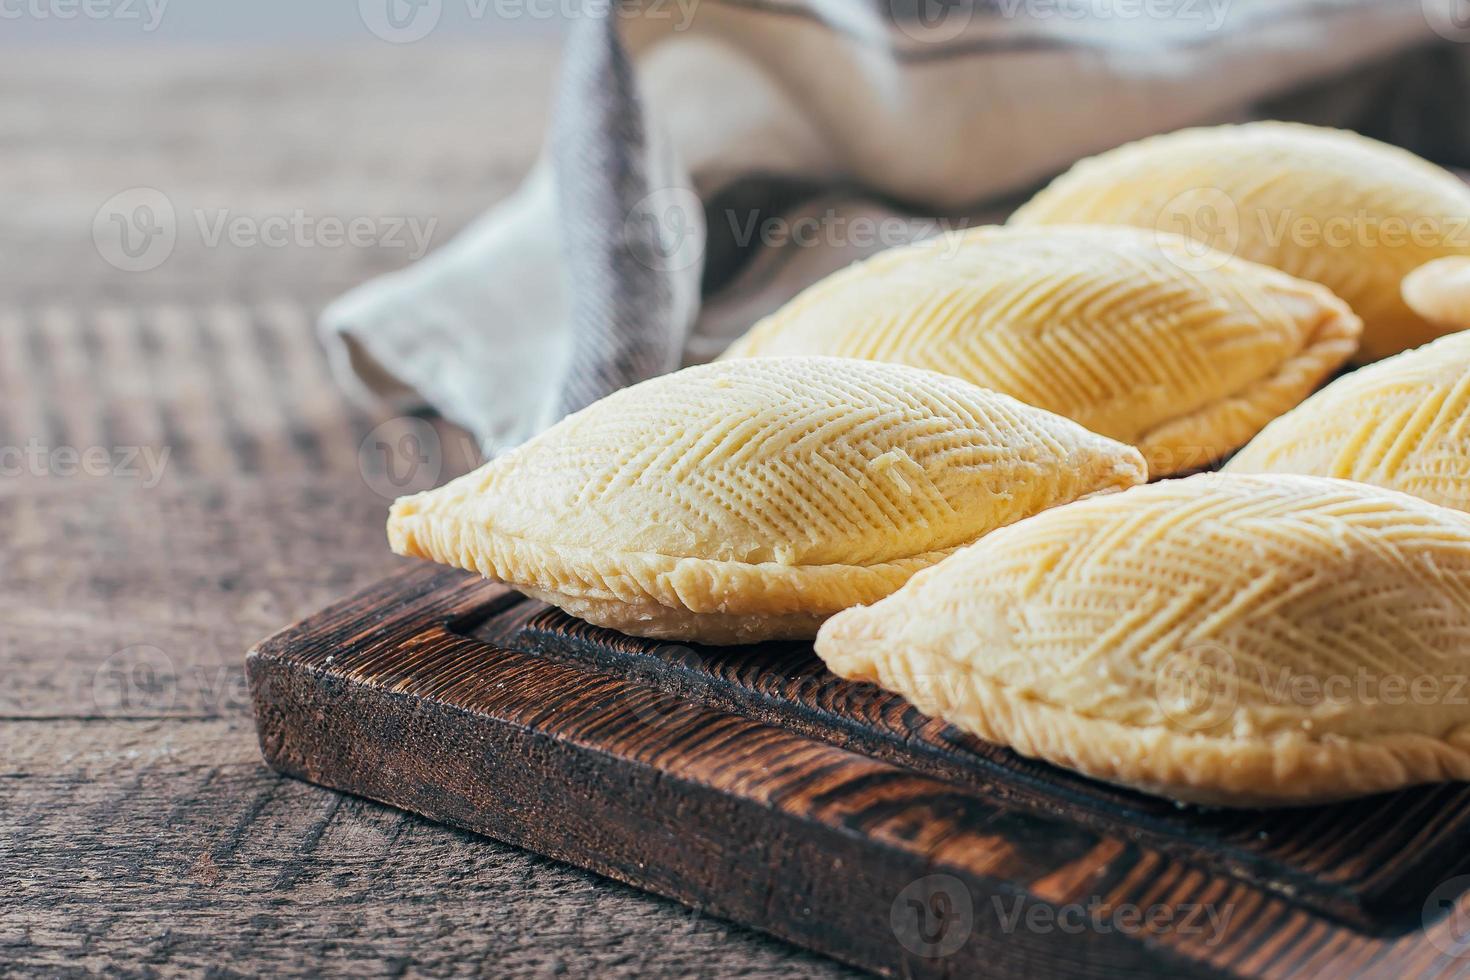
{"x":753,"y":785}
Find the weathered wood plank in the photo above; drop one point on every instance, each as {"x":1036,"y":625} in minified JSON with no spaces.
{"x":168,"y":847}
{"x":1360,"y":860}
{"x":747,"y":782}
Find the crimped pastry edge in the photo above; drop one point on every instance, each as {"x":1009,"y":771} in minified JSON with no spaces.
{"x":714,"y":598}
{"x":1361,"y":384}
{"x":1282,"y":769}
{"x":1214,"y":430}
{"x":1391,"y":327}
{"x":699,"y":585}
{"x":1230,"y":422}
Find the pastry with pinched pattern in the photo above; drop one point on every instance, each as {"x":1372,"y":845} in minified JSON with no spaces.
{"x":749,"y":500}
{"x":1324,"y":204}
{"x":1114,"y":328}
{"x":1223,"y":639}
{"x":1403,"y":423}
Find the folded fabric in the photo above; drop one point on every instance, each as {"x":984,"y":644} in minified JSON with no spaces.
{"x":708,"y":161}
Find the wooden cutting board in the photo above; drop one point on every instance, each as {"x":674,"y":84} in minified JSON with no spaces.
{"x":754,"y":785}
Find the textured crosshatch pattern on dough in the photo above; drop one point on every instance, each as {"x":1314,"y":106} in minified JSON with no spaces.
{"x":751,"y":499}
{"x":1226,"y":639}
{"x":1116,"y":328}
{"x":1324,"y":204}
{"x":1403,"y":423}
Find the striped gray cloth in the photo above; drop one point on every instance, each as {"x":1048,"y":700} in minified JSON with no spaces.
{"x":709,"y":158}
{"x":624,"y":319}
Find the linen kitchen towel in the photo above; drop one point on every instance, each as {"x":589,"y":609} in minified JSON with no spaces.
{"x":709,"y":158}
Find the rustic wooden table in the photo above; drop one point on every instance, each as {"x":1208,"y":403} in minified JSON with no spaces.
{"x":179,"y":477}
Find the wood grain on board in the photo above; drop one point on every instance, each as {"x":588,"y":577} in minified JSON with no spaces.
{"x":749,"y":783}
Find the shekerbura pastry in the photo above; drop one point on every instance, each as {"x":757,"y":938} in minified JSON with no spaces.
{"x":1403,"y":423}
{"x":1111,"y":327}
{"x":1327,"y":205}
{"x":1440,"y":292}
{"x":750,"y":500}
{"x":1234,"y":640}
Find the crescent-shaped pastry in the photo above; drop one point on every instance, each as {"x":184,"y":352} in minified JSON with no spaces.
{"x":750,"y":500}
{"x":1403,"y":423}
{"x":1231,"y":640}
{"x":1327,"y":205}
{"x":1114,"y":328}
